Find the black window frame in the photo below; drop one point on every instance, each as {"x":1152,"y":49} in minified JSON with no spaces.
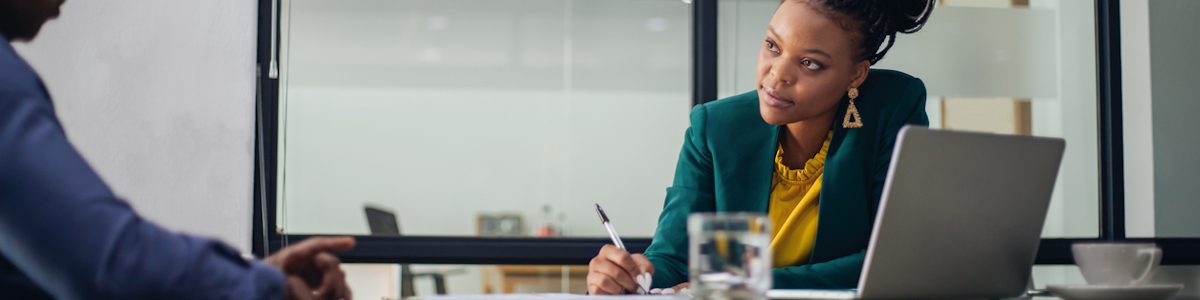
{"x":578,"y":251}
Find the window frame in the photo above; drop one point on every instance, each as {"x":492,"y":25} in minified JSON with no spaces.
{"x":266,"y":238}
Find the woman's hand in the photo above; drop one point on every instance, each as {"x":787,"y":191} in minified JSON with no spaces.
{"x":614,"y":271}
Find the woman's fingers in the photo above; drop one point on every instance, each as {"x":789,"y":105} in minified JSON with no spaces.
{"x":682,"y":286}
{"x":647,"y":269}
{"x":600,"y":284}
{"x":643,"y":263}
{"x":613,"y":273}
{"x":621,"y":259}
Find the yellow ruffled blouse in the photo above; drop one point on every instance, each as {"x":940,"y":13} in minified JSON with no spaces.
{"x":793,"y":208}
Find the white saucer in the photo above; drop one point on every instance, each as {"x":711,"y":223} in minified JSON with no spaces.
{"x":1102,"y":292}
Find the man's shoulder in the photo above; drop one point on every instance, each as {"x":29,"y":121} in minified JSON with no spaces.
{"x":17,"y":79}
{"x":14,"y":283}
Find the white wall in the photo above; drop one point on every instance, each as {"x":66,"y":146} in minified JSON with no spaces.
{"x":159,"y":97}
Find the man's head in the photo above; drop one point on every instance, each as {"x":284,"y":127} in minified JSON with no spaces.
{"x":20,"y":20}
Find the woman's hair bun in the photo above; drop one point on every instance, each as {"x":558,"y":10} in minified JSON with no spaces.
{"x":878,"y":21}
{"x":908,"y":16}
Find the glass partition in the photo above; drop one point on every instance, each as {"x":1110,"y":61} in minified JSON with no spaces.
{"x":1159,"y":108}
{"x":1012,"y":67}
{"x":480,"y":117}
{"x":509,"y":118}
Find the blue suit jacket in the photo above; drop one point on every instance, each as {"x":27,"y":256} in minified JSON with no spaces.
{"x":64,"y":233}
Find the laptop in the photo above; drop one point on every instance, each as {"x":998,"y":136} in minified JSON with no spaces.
{"x":961,"y":217}
{"x":381,"y":221}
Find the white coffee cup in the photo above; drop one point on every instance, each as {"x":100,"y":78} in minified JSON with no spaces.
{"x":1120,"y":264}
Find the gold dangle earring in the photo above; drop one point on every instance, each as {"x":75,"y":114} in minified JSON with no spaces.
{"x":852,"y":111}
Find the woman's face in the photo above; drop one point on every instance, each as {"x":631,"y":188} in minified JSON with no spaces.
{"x":806,"y":64}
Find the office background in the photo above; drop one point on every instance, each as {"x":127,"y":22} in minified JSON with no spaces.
{"x":160,"y":98}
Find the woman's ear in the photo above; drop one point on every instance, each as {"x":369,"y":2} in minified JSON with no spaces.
{"x":861,"y":70}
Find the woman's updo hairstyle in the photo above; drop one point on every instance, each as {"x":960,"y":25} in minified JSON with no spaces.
{"x":877,"y":21}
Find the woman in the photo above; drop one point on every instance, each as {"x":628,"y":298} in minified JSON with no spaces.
{"x":810,"y":148}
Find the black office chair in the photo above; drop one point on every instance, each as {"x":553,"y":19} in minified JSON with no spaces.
{"x":383,"y":223}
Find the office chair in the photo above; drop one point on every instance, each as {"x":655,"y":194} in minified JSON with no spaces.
{"x":383,"y":223}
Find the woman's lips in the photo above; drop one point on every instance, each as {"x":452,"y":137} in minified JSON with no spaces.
{"x":775,"y":100}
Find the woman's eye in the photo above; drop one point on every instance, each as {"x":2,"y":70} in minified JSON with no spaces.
{"x":810,"y":64}
{"x":771,"y":46}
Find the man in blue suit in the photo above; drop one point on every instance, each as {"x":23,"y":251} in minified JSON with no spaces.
{"x":63,"y":234}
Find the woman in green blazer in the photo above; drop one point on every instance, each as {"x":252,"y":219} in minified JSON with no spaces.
{"x":815,"y":91}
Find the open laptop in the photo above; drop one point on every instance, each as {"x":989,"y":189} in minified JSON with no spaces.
{"x":961,"y":217}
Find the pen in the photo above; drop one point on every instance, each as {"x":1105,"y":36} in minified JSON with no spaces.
{"x":612,"y":233}
{"x":642,"y":279}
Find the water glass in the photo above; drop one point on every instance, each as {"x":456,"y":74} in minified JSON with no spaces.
{"x":729,"y":255}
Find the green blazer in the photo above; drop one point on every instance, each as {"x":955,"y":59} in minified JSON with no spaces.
{"x":727,"y":162}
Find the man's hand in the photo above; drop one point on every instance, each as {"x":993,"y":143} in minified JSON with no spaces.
{"x":297,"y":289}
{"x":311,"y":263}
